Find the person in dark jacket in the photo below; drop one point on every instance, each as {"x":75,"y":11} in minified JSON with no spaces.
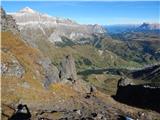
{"x":22,"y":113}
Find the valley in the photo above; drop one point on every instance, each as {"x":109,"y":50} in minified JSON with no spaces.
{"x":63,"y":70}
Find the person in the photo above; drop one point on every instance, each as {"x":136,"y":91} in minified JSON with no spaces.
{"x":22,"y":113}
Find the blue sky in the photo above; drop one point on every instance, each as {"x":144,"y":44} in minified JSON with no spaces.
{"x":94,"y":12}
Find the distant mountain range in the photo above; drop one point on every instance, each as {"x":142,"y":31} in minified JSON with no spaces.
{"x":148,"y":26}
{"x":144,"y":27}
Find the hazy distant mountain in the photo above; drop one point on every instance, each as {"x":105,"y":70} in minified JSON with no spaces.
{"x":148,"y":26}
{"x":144,"y":27}
{"x":120,"y":28}
{"x":35,"y":25}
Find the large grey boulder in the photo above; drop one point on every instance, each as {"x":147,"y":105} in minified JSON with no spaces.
{"x":68,"y":69}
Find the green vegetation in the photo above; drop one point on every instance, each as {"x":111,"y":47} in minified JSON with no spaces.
{"x":140,"y":51}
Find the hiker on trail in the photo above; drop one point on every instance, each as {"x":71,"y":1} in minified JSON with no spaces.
{"x":22,"y":113}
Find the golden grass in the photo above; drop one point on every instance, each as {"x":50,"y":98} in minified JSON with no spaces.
{"x":63,"y":91}
{"x":28,"y":58}
{"x":12,"y":89}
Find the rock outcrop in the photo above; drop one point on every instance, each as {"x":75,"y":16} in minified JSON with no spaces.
{"x":51,"y":72}
{"x":141,"y":89}
{"x":12,"y":68}
{"x":68,"y":69}
{"x":7,"y":22}
{"x":68,"y":75}
{"x":144,"y":95}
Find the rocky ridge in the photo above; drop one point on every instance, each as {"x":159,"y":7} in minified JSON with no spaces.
{"x":7,"y":22}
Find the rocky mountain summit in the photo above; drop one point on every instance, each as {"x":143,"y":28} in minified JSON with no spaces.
{"x":28,"y":15}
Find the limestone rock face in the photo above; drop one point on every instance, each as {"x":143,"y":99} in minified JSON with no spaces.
{"x":51,"y":72}
{"x":8,"y":23}
{"x":68,"y":69}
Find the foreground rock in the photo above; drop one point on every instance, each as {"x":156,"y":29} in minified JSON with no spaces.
{"x":145,"y":95}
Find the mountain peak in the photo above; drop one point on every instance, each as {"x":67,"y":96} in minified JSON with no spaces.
{"x":27,"y":10}
{"x":150,"y":26}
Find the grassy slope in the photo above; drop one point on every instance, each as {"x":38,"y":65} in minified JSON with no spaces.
{"x":28,"y":58}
